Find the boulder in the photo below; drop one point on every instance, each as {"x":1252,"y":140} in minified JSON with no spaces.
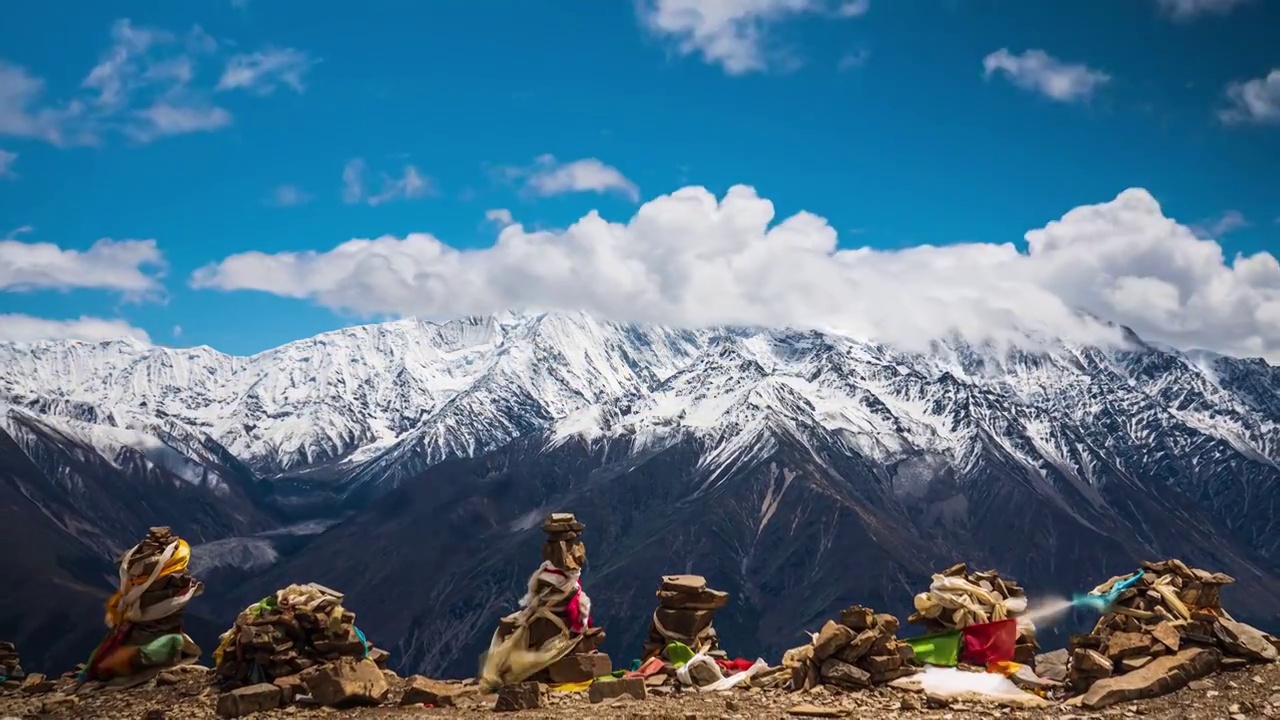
{"x":347,"y":682}
{"x":1127,"y":644}
{"x":521,"y":696}
{"x":857,"y":618}
{"x":1159,"y":677}
{"x":246,"y":700}
{"x":624,"y":687}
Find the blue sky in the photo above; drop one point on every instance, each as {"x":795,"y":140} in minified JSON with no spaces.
{"x":880,"y":117}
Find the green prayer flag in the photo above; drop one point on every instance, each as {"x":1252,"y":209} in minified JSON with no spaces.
{"x":942,"y":649}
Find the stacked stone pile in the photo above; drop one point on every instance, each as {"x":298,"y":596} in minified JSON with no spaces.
{"x":936,"y":615}
{"x":1163,"y":632}
{"x":10,"y":667}
{"x":565,"y":551}
{"x":859,"y":651}
{"x":686,"y":609}
{"x":298,"y":628}
{"x":142,"y":562}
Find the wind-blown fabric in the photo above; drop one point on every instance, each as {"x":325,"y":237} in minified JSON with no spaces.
{"x":511,"y":659}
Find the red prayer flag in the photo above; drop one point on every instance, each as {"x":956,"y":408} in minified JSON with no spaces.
{"x":989,"y":642}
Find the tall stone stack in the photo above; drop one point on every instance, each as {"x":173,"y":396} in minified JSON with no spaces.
{"x":10,"y":667}
{"x":146,"y":555}
{"x":1170,"y":624}
{"x":686,"y":609}
{"x":859,"y":651}
{"x":939,"y":618}
{"x":564,"y":550}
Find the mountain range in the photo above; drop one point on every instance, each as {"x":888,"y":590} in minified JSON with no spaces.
{"x":410,"y":463}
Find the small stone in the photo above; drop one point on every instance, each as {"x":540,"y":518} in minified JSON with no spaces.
{"x":154,"y":714}
{"x":1200,"y":685}
{"x":521,"y":696}
{"x":633,"y":688}
{"x":842,"y":674}
{"x":832,"y":638}
{"x":857,"y":618}
{"x":580,"y":667}
{"x":55,"y":704}
{"x":419,"y":690}
{"x":815,"y":711}
{"x":291,"y":686}
{"x":347,"y":682}
{"x":379,"y":657}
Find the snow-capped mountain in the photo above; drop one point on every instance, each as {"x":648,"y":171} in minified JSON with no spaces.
{"x":767,"y":448}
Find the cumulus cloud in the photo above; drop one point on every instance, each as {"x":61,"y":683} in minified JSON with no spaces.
{"x":689,"y":258}
{"x":6,"y":164}
{"x":145,"y":85}
{"x":128,"y":266}
{"x":262,"y":72}
{"x":1254,"y":101}
{"x":26,"y":329}
{"x":547,"y":176}
{"x":1192,"y":9}
{"x":410,"y":184}
{"x":289,"y":195}
{"x":1037,"y":71}
{"x":734,"y":34}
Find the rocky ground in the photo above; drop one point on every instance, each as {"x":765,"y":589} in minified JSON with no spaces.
{"x":1252,"y":692}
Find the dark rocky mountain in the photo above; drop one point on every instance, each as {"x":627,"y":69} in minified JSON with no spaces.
{"x":410,"y":463}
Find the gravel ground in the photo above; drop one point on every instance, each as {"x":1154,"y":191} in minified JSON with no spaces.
{"x":1249,"y":693}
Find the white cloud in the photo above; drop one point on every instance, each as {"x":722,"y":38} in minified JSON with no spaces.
{"x":6,"y":164}
{"x":688,"y":258}
{"x":547,"y":177}
{"x":289,"y":195}
{"x":499,"y":216}
{"x":145,"y":86}
{"x":176,"y":332}
{"x":411,"y":184}
{"x":1192,"y":9}
{"x":26,"y":329}
{"x":262,"y":72}
{"x":1254,"y":101}
{"x":128,"y":266}
{"x":1227,"y":222}
{"x":1037,"y":71}
{"x":734,"y":34}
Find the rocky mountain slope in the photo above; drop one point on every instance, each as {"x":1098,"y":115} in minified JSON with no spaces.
{"x":799,"y":470}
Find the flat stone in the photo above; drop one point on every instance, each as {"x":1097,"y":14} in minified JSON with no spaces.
{"x":1053,"y":665}
{"x":1159,"y":677}
{"x":684,"y":623}
{"x":580,"y":667}
{"x":633,"y":688}
{"x":55,"y":704}
{"x":521,"y":696}
{"x":1245,"y":641}
{"x":816,"y":712}
{"x":36,"y":684}
{"x":1090,"y":663}
{"x":291,"y":686}
{"x":379,"y":657}
{"x":879,"y":664}
{"x":1127,"y":644}
{"x":419,"y":690}
{"x":859,"y":646}
{"x":1130,"y":664}
{"x":705,"y":599}
{"x":1167,"y":635}
{"x":247,"y":700}
{"x":683,"y":584}
{"x":842,"y":674}
{"x":347,"y":682}
{"x":832,"y":638}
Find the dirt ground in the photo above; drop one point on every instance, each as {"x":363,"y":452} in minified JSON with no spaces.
{"x":1252,"y":692}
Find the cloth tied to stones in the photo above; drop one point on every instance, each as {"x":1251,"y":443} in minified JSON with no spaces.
{"x":145,"y":633}
{"x":958,"y":603}
{"x":551,"y":593}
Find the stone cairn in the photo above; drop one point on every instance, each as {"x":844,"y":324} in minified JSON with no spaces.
{"x":146,"y":555}
{"x":299,"y":628}
{"x":859,"y":651}
{"x":686,"y":608}
{"x":945,"y":619}
{"x":564,"y":549}
{"x":1166,"y":630}
{"x":10,"y":667}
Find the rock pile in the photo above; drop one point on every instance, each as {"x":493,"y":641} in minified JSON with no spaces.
{"x":859,"y":651}
{"x":686,"y":608}
{"x":1166,"y":630}
{"x":299,"y":628}
{"x":556,"y":584}
{"x":10,"y":667}
{"x":958,"y":599}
